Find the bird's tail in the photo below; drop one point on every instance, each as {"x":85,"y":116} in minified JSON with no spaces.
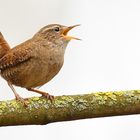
{"x":4,"y":46}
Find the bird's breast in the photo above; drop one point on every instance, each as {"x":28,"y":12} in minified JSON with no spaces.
{"x":45,"y":69}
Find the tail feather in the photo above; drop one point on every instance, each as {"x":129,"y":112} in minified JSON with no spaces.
{"x":4,"y":46}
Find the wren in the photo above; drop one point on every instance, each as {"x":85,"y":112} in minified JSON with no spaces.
{"x":36,"y":61}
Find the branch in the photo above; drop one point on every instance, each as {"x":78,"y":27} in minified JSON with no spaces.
{"x":72,"y":107}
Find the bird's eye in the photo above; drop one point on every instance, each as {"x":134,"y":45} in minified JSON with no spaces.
{"x":57,"y":29}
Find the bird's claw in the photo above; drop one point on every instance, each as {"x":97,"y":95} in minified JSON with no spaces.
{"x":48,"y":96}
{"x":22,"y":100}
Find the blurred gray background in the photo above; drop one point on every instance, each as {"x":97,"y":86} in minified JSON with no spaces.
{"x":107,"y":59}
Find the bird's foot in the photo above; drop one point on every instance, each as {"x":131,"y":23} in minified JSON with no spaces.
{"x":48,"y":96}
{"x":22,"y":100}
{"x":44,"y":94}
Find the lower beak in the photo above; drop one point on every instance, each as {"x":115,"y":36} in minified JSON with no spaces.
{"x":67,"y":29}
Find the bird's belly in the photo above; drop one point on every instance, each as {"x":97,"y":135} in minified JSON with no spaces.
{"x":33,"y":75}
{"x":43,"y":76}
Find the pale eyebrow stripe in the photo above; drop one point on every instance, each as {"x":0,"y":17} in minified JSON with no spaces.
{"x":47,"y":28}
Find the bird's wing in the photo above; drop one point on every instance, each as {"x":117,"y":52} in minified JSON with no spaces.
{"x":14,"y":57}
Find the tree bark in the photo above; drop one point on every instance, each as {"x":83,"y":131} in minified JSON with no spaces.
{"x":72,"y":107}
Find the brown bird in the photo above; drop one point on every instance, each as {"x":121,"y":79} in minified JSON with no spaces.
{"x":36,"y":61}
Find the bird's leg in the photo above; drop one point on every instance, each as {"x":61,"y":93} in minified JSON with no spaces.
{"x":17,"y":95}
{"x":47,"y":95}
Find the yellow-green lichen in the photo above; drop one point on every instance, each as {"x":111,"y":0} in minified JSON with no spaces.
{"x":67,"y":99}
{"x":14,"y":103}
{"x":98,"y":94}
{"x":60,"y":103}
{"x":136,"y":99}
{"x":35,"y":98}
{"x":118,"y":93}
{"x":98,"y":99}
{"x":80,"y":104}
{"x":112,"y":96}
{"x":111,"y":103}
{"x":128,"y":100}
{"x":3,"y":105}
{"x":105,"y":97}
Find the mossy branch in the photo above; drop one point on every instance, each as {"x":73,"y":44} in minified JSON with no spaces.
{"x":72,"y":107}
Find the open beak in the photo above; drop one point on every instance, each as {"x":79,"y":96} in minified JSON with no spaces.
{"x":67,"y":29}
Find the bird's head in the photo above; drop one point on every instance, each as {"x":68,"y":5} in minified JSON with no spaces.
{"x":56,"y":33}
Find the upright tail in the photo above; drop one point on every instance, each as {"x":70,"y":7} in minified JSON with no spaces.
{"x":4,"y":46}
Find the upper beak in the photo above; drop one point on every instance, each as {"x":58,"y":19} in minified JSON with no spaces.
{"x":67,"y":29}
